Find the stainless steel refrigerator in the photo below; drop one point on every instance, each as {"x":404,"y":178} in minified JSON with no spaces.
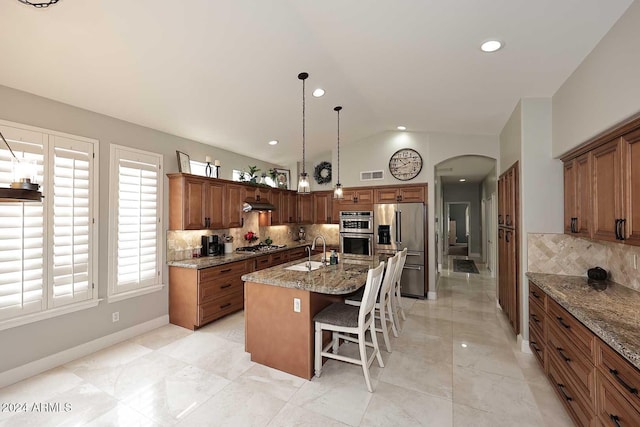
{"x":399,"y":226}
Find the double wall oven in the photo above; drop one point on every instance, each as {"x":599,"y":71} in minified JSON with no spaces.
{"x":356,"y":232}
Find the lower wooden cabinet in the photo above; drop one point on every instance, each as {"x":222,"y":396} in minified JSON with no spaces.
{"x":597,"y":386}
{"x":197,"y":297}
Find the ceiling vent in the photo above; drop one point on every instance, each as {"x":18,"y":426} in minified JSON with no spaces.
{"x":371,"y":175}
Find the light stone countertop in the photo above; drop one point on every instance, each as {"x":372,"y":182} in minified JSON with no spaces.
{"x":347,"y":276}
{"x":213,"y":261}
{"x":612,"y":314}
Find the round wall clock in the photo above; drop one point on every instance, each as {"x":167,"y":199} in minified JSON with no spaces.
{"x":322,"y":173}
{"x":405,"y":164}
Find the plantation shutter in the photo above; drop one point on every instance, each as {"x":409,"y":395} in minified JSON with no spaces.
{"x":22,"y":238}
{"x":71,"y":221}
{"x":137,"y":229}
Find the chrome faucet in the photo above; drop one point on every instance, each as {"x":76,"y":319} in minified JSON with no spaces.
{"x":308,"y":249}
{"x":324,"y":248}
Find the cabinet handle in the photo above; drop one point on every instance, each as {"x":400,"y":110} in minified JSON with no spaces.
{"x":508,"y":219}
{"x":535,"y":346}
{"x":573,"y":225}
{"x":506,"y":236}
{"x":617,"y":229}
{"x":566,"y":397}
{"x":500,"y":219}
{"x":242,"y":222}
{"x":534,"y":318}
{"x":225,"y":286}
{"x":615,"y":419}
{"x":562,"y":323}
{"x":257,"y":197}
{"x":223,"y":306}
{"x":630,"y":389}
{"x":535,"y":294}
{"x":225,"y":271}
{"x":500,"y":234}
{"x":622,"y":222}
{"x":561,"y":353}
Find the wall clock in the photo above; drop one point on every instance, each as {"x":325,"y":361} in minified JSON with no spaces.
{"x":405,"y":164}
{"x":322,"y":173}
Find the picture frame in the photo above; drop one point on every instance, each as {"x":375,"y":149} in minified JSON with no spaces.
{"x":184,"y":162}
{"x":283,"y":178}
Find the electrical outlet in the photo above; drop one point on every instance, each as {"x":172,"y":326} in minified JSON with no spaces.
{"x":115,"y":316}
{"x":296,"y":305}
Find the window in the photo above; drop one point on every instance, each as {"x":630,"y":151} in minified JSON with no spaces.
{"x":135,"y":241}
{"x":48,"y":254}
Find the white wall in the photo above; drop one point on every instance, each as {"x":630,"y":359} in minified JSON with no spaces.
{"x":603,"y":90}
{"x":34,"y":341}
{"x":511,"y":140}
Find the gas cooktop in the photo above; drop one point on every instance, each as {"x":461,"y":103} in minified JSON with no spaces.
{"x":260,"y":248}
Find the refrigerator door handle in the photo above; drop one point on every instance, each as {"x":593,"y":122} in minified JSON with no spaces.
{"x":413,"y":267}
{"x":399,"y":213}
{"x":397,"y":221}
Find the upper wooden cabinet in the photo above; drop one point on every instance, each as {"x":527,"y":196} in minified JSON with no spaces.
{"x":323,"y":208}
{"x":195,"y":203}
{"x":508,"y":201}
{"x":577,"y":196}
{"x":305,"y":209}
{"x":235,"y":194}
{"x":405,"y":194}
{"x":602,"y":186}
{"x":356,"y":199}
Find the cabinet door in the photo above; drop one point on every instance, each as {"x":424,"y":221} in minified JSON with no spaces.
{"x":305,"y":209}
{"x":365,"y":196}
{"x":583,"y":209}
{"x":570,"y":215}
{"x":510,"y":218}
{"x":322,"y":207}
{"x":631,"y":225}
{"x":277,"y":215}
{"x":386,"y":195}
{"x":194,"y":190}
{"x":412,"y":195}
{"x":214,"y":202}
{"x":501,"y":199}
{"x":607,"y":191}
{"x":263,"y":194}
{"x":289,"y":207}
{"x":234,"y":197}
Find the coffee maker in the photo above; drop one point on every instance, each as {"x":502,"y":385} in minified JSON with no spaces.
{"x":211,"y":246}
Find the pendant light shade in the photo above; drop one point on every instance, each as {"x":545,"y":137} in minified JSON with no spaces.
{"x":303,"y":182}
{"x":22,"y":189}
{"x":337,"y":191}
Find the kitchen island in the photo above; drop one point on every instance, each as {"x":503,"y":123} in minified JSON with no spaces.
{"x":280,"y":304}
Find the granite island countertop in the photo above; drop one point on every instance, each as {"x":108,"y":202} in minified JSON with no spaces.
{"x":347,"y":276}
{"x":612,"y":314}
{"x":213,"y":261}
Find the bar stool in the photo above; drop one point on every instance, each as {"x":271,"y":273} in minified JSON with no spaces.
{"x":396,"y":297}
{"x":382,"y":306}
{"x":342,"y":319}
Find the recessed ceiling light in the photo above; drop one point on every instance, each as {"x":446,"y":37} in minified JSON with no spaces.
{"x":462,"y":180}
{"x":273,"y":142}
{"x":402,"y":128}
{"x":463,"y":345}
{"x":318,"y":92}
{"x":491,"y":46}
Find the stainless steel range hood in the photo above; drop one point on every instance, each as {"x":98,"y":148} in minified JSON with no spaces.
{"x":257,"y":205}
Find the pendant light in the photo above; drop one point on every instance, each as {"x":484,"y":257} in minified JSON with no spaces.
{"x":337,"y":191}
{"x":303,"y":183}
{"x":39,"y":4}
{"x":22,"y":190}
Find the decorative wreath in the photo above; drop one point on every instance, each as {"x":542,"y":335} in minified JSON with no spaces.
{"x":322,"y":173}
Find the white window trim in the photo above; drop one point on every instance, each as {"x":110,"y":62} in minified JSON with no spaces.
{"x":112,"y":295}
{"x":48,"y":311}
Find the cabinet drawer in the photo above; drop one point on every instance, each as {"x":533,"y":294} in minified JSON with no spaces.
{"x":263,"y":262}
{"x":538,"y":295}
{"x":295,"y":254}
{"x":278,"y":258}
{"x":619,"y":372}
{"x":220,"y":307}
{"x":575,"y":364}
{"x":579,"y":409}
{"x":231,"y":269}
{"x":612,"y":408}
{"x":218,"y":288}
{"x":538,"y":346}
{"x":537,"y":318}
{"x":583,"y":339}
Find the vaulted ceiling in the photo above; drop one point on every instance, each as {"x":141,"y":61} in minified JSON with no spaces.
{"x":225,"y":72}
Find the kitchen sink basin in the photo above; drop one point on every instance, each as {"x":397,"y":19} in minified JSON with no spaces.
{"x":304,"y":266}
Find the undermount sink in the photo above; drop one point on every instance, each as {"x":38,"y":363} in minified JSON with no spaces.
{"x":304,"y":266}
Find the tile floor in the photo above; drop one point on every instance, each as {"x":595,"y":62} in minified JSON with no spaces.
{"x":455,"y":364}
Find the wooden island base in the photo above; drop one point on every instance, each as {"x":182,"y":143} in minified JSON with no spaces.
{"x":276,"y":335}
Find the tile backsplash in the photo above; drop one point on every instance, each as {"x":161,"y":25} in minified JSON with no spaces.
{"x":180,"y":244}
{"x":564,"y":254}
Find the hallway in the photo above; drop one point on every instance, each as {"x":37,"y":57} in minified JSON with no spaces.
{"x":455,"y":364}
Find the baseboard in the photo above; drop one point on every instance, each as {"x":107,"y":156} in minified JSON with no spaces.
{"x":432,"y":295}
{"x":38,"y":366}
{"x":524,"y":345}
